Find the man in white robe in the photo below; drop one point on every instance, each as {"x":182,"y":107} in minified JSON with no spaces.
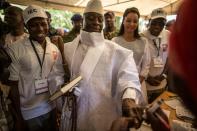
{"x":110,"y":77}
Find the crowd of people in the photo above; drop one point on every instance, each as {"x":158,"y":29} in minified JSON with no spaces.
{"x":123,"y":70}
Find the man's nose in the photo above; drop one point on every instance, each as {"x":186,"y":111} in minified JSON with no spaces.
{"x":96,"y":21}
{"x":108,"y":19}
{"x":40,"y":27}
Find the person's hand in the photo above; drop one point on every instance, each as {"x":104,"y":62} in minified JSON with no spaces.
{"x":122,"y":124}
{"x":60,"y":44}
{"x":57,"y":40}
{"x":159,"y":78}
{"x":153,"y":81}
{"x":141,"y":78}
{"x":54,"y":40}
{"x":158,"y":120}
{"x":132,"y":110}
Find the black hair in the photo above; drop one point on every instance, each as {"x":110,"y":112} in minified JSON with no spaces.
{"x":127,"y":11}
{"x":15,"y":8}
{"x":3,"y":28}
{"x":76,"y":17}
{"x":4,"y":4}
{"x":48,"y":14}
{"x":109,"y":13}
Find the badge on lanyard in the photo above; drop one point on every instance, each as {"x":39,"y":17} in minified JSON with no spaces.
{"x":41,"y":86}
{"x":158,"y":62}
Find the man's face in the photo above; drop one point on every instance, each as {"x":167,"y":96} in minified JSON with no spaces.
{"x":93,"y":22}
{"x":13,"y":18}
{"x":156,"y":26}
{"x":109,"y":20}
{"x":77,"y":24}
{"x":38,"y":28}
{"x":49,"y":18}
{"x":49,"y":21}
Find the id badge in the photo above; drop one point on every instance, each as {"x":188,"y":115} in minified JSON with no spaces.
{"x":41,"y":86}
{"x":158,"y":62}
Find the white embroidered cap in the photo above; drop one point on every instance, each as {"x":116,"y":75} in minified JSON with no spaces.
{"x":94,"y":6}
{"x":158,"y":13}
{"x":33,"y":11}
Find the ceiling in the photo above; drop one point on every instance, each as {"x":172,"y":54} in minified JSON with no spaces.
{"x":118,"y":6}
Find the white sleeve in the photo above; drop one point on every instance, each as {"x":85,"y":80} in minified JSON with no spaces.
{"x":128,"y":80}
{"x":14,"y":67}
{"x":130,"y":93}
{"x":146,"y":59}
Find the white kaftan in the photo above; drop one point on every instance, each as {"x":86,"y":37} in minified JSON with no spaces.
{"x":107,"y":70}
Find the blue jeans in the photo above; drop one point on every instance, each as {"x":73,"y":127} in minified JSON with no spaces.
{"x":46,"y":122}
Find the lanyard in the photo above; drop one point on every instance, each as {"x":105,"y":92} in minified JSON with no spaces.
{"x":158,"y":48}
{"x":39,"y":61}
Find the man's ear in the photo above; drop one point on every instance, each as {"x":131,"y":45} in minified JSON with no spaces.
{"x":165,"y":21}
{"x":25,"y":26}
{"x":149,"y":22}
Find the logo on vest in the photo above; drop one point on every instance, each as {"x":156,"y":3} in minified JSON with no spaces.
{"x":32,"y":11}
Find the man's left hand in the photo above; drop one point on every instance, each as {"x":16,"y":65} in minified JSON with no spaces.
{"x":132,"y":110}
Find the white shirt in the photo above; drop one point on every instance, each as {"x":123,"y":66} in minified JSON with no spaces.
{"x":162,"y":52}
{"x":159,"y":48}
{"x":26,"y":70}
{"x":141,"y":53}
{"x":10,"y":39}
